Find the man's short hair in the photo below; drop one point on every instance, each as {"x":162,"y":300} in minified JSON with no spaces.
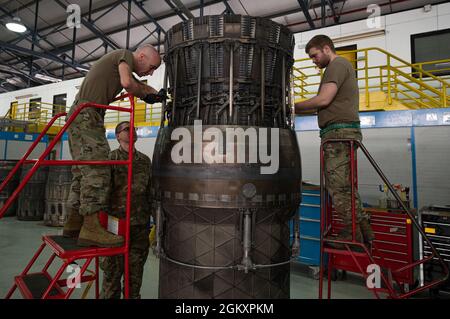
{"x":120,"y":125}
{"x":320,"y":41}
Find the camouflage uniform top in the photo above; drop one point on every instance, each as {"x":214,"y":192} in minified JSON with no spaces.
{"x":344,"y":108}
{"x":102,"y":83}
{"x":140,"y":197}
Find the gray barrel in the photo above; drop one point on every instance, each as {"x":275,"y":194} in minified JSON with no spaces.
{"x":56,"y":194}
{"x":5,"y":168}
{"x":32,"y":197}
{"x":224,"y":225}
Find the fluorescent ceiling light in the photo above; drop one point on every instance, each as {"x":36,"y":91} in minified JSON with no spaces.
{"x":46,"y":78}
{"x":82,"y":69}
{"x":352,"y":37}
{"x":363,"y":35}
{"x":12,"y":81}
{"x":16,"y":25}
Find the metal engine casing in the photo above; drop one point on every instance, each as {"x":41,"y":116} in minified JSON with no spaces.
{"x":208,"y":60}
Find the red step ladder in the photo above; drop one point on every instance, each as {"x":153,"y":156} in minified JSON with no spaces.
{"x":355,"y":256}
{"x":41,"y":285}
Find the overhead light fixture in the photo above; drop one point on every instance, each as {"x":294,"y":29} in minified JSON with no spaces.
{"x":82,"y":69}
{"x":46,"y":78}
{"x":351,"y":37}
{"x":427,"y":8}
{"x":12,"y":81}
{"x":359,"y":36}
{"x":16,"y":25}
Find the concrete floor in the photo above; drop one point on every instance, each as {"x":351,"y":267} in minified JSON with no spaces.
{"x":19,"y":240}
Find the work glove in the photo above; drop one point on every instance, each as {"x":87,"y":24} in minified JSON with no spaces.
{"x":156,"y":98}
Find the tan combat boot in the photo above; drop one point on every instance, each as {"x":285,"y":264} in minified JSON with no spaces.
{"x":73,"y":224}
{"x":367,"y":232}
{"x":93,"y":234}
{"x":346,"y":235}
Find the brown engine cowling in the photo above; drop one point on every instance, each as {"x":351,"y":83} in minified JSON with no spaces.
{"x":222,"y":220}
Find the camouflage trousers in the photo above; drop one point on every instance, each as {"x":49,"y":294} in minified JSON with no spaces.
{"x":338,"y":178}
{"x":113,"y":266}
{"x":89,"y":192}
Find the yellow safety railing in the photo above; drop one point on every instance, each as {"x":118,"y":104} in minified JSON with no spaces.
{"x":444,"y":67}
{"x":402,"y":84}
{"x":37,"y":114}
{"x":144,"y":114}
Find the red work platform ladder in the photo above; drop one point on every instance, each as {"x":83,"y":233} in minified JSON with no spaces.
{"x":42,"y":285}
{"x":356,"y":256}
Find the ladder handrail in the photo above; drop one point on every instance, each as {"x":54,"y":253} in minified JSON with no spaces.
{"x":41,"y":161}
{"x":48,"y":150}
{"x":325,"y":205}
{"x":435,"y":253}
{"x":418,"y":227}
{"x":25,"y":156}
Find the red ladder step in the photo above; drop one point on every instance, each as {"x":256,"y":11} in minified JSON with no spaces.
{"x":36,"y":285}
{"x":67,"y":248}
{"x":33,"y":286}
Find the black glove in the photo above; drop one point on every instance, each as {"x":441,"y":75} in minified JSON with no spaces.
{"x":163,"y":94}
{"x":156,"y":98}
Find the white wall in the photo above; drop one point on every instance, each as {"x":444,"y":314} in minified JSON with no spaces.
{"x":398,"y":28}
{"x":391,"y":149}
{"x":45,"y":92}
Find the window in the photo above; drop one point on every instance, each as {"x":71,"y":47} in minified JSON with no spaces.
{"x":34,"y":111}
{"x":59,"y":104}
{"x":432,"y":46}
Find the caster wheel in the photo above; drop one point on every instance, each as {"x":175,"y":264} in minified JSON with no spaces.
{"x":314,"y":272}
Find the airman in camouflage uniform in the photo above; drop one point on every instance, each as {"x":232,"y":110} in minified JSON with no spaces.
{"x":337,"y":105}
{"x":113,"y":267}
{"x":87,"y":141}
{"x":90,"y":184}
{"x":337,"y":181}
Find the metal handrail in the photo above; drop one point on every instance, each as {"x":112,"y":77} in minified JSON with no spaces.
{"x":41,"y":116}
{"x":42,"y":161}
{"x":434,"y":254}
